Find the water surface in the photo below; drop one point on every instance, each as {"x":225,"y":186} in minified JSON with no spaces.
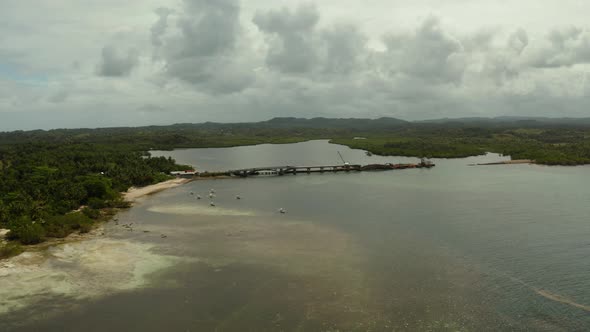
{"x":454,"y":248}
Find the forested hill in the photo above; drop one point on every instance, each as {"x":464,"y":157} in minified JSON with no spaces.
{"x":197,"y":135}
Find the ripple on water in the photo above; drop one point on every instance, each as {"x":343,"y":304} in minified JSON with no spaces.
{"x":77,"y":271}
{"x":188,"y":209}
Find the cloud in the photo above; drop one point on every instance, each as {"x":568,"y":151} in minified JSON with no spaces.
{"x":298,"y":46}
{"x":159,"y":28}
{"x":209,"y":28}
{"x":59,"y":97}
{"x":479,"y":41}
{"x":291,"y":37}
{"x":345,"y":48}
{"x":504,"y":63}
{"x":114,"y":64}
{"x":203,"y":48}
{"x":518,"y":41}
{"x":429,"y":53}
{"x":242,"y":60}
{"x":565,"y":47}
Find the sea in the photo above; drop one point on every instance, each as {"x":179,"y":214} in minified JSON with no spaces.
{"x":452,"y":248}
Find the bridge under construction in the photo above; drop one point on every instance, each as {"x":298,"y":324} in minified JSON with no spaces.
{"x":285,"y":170}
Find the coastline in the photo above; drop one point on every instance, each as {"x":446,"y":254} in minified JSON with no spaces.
{"x":93,"y":251}
{"x":508,"y":162}
{"x":135,"y":193}
{"x":131,"y":196}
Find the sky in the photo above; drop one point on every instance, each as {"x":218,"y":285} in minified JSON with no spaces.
{"x":105,"y":63}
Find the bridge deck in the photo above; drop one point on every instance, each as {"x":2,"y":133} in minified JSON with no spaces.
{"x":291,"y":168}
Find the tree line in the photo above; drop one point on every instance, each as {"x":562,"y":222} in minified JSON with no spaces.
{"x":42,"y":183}
{"x":45,"y":175}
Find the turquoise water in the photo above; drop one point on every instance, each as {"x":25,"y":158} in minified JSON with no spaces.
{"x":454,"y":248}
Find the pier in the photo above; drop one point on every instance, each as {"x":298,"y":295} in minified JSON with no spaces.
{"x":283,"y":170}
{"x":294,"y":170}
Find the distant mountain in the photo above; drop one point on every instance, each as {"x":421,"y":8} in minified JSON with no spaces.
{"x":511,"y":121}
{"x":318,"y":123}
{"x":355,"y":124}
{"x":302,"y":123}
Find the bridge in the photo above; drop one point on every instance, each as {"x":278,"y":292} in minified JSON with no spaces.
{"x":282,"y":170}
{"x":288,"y":169}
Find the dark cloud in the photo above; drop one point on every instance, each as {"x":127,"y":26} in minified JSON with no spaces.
{"x":159,"y":28}
{"x":430,"y":54}
{"x":114,"y":64}
{"x":345,"y":47}
{"x":518,"y":41}
{"x":202,"y":50}
{"x":292,"y":47}
{"x":502,"y":65}
{"x":298,"y":46}
{"x":214,"y":75}
{"x":567,"y":47}
{"x":208,"y":27}
{"x":480,"y":41}
{"x":560,"y":37}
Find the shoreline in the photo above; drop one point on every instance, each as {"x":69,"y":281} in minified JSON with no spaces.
{"x":131,"y":195}
{"x":508,"y":162}
{"x":135,"y":193}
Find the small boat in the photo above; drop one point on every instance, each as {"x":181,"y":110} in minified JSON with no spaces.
{"x":212,"y":204}
{"x":211,"y":195}
{"x":238,"y":197}
{"x":198,"y":196}
{"x":212,"y":191}
{"x":192,"y":193}
{"x":282,"y":211}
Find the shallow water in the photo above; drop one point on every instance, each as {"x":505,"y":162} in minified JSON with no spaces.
{"x":451,"y":248}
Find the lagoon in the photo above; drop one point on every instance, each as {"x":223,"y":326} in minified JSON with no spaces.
{"x":452,"y":248}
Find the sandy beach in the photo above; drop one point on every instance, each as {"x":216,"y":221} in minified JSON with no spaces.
{"x":125,"y":264}
{"x":134,"y":193}
{"x":131,"y":195}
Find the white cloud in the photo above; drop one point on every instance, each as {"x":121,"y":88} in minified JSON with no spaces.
{"x":564,"y":47}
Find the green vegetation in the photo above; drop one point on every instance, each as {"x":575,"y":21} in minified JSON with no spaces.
{"x":8,"y":250}
{"x":42,"y":183}
{"x":549,"y":146}
{"x":45,"y":175}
